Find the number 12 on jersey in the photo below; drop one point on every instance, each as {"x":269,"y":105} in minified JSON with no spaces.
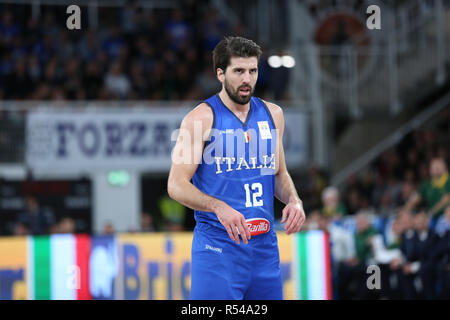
{"x":256,"y":191}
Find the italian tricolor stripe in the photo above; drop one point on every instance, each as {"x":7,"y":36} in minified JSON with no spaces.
{"x":58,"y":267}
{"x":41,"y":265}
{"x":83,"y":248}
{"x":247,"y":136}
{"x":311,"y":266}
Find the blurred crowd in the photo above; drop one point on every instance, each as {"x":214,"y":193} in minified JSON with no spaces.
{"x":395,"y":215}
{"x":134,"y":54}
{"x":37,"y":219}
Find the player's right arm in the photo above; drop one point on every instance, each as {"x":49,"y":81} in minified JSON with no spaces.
{"x":186,"y":155}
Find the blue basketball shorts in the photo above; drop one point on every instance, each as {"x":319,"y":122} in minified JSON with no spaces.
{"x":224,"y":270}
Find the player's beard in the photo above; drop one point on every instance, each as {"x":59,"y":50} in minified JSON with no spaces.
{"x":234,"y":94}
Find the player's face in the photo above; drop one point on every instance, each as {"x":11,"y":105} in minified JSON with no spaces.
{"x":240,"y":78}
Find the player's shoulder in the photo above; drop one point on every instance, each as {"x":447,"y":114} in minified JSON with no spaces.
{"x":273,"y":108}
{"x":201,"y":112}
{"x":276,"y":111}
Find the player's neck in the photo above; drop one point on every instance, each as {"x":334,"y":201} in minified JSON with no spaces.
{"x":231,"y":104}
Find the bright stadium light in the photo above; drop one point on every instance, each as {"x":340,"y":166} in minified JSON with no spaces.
{"x":288,"y":61}
{"x":283,"y":61}
{"x":274,"y":61}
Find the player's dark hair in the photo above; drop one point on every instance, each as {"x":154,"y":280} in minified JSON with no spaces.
{"x":234,"y":47}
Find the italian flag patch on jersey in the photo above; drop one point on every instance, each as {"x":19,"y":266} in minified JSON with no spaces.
{"x":246,"y":136}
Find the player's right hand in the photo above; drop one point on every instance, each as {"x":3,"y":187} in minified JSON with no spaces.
{"x":234,"y":222}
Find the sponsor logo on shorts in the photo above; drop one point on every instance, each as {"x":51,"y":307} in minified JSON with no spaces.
{"x":258,"y":226}
{"x":213,"y":248}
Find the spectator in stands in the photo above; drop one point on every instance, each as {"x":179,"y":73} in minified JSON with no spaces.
{"x":8,"y":28}
{"x":386,"y":207}
{"x":158,"y":82}
{"x":66,"y":225}
{"x":53,"y":73}
{"x":434,"y":193}
{"x":114,"y":42}
{"x":182,"y":82}
{"x":139,"y":81}
{"x":178,"y":30}
{"x":391,"y":263}
{"x":73,"y":78}
{"x":213,"y":28}
{"x":408,"y":247}
{"x":147,"y":222}
{"x":411,"y":163}
{"x":50,"y":25}
{"x":44,"y":49}
{"x":34,"y":70}
{"x":20,"y":229}
{"x":406,"y":192}
{"x":353,"y":201}
{"x":88,"y":46}
{"x":332,"y":207}
{"x":366,"y":187}
{"x":38,"y":220}
{"x":378,"y":189}
{"x":423,"y":172}
{"x":116,"y":82}
{"x":66,"y":48}
{"x":343,"y":257}
{"x":388,"y":258}
{"x":424,"y":264}
{"x":312,"y":220}
{"x":364,"y":252}
{"x":393,"y":186}
{"x":42,"y":92}
{"x":92,"y":79}
{"x":442,"y":255}
{"x":443,"y":224}
{"x":144,"y":54}
{"x":130,"y":17}
{"x":364,"y":231}
{"x":18,"y":82}
{"x":393,"y":232}
{"x":108,"y":229}
{"x":357,"y":266}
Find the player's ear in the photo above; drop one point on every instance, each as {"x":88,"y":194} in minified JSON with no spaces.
{"x":220,"y":74}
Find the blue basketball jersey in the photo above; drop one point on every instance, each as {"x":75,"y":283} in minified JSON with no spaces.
{"x":238,"y":163}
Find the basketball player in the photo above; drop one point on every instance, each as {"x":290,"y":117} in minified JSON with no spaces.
{"x":231,"y":146}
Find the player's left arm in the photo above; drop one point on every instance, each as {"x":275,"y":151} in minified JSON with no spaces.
{"x":293,"y":213}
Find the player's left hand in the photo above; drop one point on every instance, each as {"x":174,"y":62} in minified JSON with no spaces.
{"x":294,"y":216}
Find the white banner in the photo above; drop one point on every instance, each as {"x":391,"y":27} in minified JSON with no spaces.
{"x":123,"y":139}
